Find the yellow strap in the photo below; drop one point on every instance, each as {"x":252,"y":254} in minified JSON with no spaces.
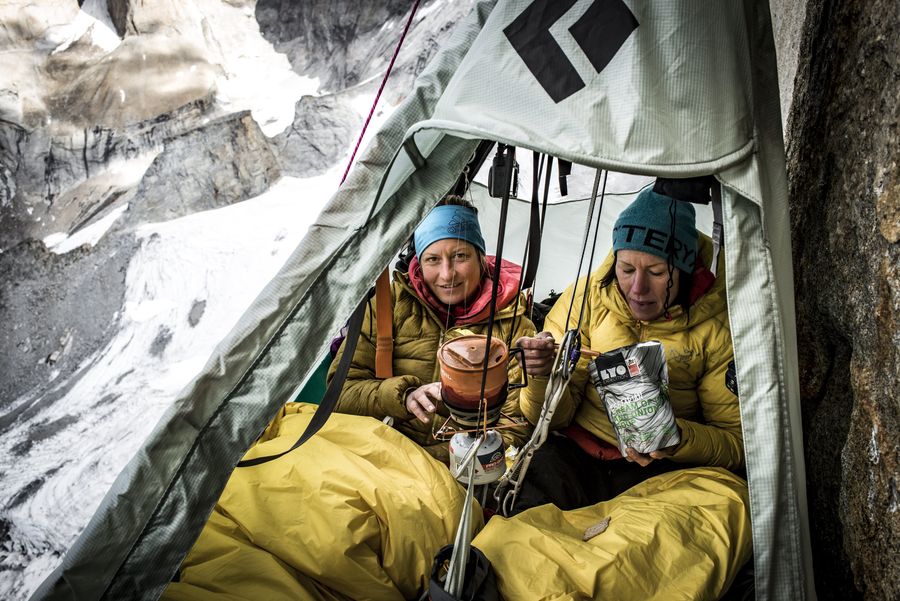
{"x":384,"y":317}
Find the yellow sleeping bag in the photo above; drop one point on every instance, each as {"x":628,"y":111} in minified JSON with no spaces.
{"x":357,"y":512}
{"x":680,"y":535}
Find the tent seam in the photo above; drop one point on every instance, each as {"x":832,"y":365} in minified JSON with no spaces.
{"x":786,"y":425}
{"x":715,"y":165}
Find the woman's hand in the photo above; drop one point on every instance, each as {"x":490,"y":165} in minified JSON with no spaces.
{"x":423,"y":401}
{"x":645,"y":459}
{"x":539,"y":353}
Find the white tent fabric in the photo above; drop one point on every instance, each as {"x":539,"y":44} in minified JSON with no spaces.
{"x":674,"y":100}
{"x":690,"y":89}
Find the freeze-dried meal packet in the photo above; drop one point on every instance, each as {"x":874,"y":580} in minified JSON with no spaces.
{"x":634,"y":384}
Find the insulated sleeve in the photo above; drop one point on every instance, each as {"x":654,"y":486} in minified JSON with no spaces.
{"x":363,"y":393}
{"x":719,"y":440}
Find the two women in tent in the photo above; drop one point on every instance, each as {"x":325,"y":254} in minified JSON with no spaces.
{"x":444,"y":293}
{"x":643,"y":291}
{"x":366,"y":517}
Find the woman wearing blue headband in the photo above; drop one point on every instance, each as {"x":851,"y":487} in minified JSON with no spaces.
{"x":445,"y":293}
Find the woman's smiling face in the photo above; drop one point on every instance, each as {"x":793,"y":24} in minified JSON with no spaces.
{"x":643,"y":279}
{"x":452,"y":270}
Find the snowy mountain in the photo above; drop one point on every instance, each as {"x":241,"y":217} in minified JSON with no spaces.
{"x":157,"y":165}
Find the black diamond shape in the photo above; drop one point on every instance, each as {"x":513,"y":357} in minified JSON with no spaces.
{"x":602,"y":30}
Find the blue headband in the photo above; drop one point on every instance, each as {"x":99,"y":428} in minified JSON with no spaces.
{"x":448,"y":221}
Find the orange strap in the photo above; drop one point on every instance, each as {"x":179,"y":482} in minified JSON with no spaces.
{"x":384,"y":320}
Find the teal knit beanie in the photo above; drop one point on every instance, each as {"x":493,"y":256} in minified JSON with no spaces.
{"x":646,"y":225}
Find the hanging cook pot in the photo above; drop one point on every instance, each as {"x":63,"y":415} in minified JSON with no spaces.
{"x":461,"y":362}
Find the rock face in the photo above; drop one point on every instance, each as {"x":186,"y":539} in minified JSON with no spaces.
{"x":58,"y":309}
{"x":42,"y":294}
{"x":135,"y":18}
{"x":73,"y":114}
{"x":85,"y":129}
{"x":223,"y":162}
{"x":843,"y":152}
{"x":145,"y":76}
{"x":346,"y":43}
{"x":323,"y":128}
{"x":788,"y":18}
{"x":56,"y":181}
{"x":320,"y":36}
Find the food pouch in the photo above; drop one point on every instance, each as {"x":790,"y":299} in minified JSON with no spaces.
{"x":634,"y":384}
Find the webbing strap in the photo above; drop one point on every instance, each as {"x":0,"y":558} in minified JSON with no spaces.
{"x":332,"y":393}
{"x":534,"y":231}
{"x":718,"y":232}
{"x":501,"y":235}
{"x":533,"y":244}
{"x":384,"y":320}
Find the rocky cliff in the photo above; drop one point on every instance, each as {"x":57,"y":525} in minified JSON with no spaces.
{"x":843,"y":151}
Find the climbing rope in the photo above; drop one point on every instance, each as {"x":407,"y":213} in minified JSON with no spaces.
{"x":381,"y":88}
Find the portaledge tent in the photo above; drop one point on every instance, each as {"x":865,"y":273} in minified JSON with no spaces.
{"x":673,"y":89}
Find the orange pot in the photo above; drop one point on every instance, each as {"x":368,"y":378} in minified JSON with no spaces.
{"x":462,"y":363}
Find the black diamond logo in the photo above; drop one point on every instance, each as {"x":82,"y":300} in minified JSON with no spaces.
{"x":600,"y":32}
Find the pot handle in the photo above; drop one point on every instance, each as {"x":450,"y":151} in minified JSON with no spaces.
{"x":521,"y":352}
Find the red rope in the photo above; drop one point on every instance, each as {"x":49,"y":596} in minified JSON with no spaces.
{"x":381,"y":89}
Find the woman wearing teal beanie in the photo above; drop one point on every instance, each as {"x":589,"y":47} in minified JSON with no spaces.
{"x":677,"y":517}
{"x":654,"y":285}
{"x":641,"y":237}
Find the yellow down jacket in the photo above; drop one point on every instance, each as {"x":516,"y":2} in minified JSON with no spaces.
{"x":698,"y":350}
{"x":417,"y":335}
